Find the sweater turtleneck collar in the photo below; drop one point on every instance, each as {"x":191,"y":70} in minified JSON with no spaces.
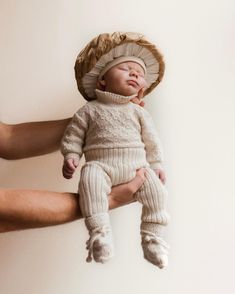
{"x":108,"y":97}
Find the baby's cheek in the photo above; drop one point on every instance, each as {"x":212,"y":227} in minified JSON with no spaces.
{"x":144,"y":83}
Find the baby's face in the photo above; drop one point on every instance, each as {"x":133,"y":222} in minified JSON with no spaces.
{"x":125,"y":79}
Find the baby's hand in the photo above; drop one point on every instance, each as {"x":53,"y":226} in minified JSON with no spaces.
{"x":161,"y":175}
{"x":69,"y":167}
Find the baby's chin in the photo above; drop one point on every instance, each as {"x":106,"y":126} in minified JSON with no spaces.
{"x":128,"y":91}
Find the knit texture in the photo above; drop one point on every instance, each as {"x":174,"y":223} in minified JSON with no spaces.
{"x":100,"y":244}
{"x":112,"y":121}
{"x":155,"y":249}
{"x":117,"y":138}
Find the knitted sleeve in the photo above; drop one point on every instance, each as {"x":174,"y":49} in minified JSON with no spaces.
{"x":74,"y":135}
{"x":153,"y":146}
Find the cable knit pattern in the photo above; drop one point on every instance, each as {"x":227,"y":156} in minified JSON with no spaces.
{"x":112,"y":121}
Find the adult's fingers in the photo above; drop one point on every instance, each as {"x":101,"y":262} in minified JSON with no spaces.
{"x":139,"y":96}
{"x":142,"y":103}
{"x":141,"y":172}
{"x":141,"y":93}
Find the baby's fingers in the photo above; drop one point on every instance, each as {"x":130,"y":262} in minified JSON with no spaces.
{"x":67,"y":173}
{"x":71,"y":164}
{"x":162,"y":177}
{"x":75,"y":162}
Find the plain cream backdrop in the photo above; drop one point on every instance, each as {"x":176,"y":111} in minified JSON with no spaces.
{"x":194,"y":113}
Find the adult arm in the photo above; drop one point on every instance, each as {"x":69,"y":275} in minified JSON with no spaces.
{"x":24,"y":209}
{"x":35,"y":138}
{"x":31,"y":139}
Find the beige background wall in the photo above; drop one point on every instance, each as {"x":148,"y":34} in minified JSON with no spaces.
{"x":194,"y":113}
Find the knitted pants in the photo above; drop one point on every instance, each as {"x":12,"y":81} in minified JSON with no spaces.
{"x":105,"y":168}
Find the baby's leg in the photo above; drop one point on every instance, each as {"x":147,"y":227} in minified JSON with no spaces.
{"x":94,"y":187}
{"x":152,"y":195}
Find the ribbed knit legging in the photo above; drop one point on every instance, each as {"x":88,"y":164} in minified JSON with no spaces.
{"x":105,"y":168}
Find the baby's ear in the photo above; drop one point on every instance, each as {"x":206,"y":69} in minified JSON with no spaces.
{"x":101,"y":85}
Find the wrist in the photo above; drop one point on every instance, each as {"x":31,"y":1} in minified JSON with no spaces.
{"x":71,"y":156}
{"x":156,"y":165}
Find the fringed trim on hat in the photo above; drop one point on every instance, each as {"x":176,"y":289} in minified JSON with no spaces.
{"x":89,"y":81}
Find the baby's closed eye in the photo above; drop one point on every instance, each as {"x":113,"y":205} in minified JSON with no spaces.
{"x":123,"y":68}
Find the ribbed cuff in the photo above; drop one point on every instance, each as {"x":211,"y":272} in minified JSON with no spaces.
{"x":72,"y":155}
{"x":151,"y":227}
{"x":156,"y":165}
{"x":97,"y":220}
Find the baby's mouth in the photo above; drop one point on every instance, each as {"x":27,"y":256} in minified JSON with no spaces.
{"x":133,"y":83}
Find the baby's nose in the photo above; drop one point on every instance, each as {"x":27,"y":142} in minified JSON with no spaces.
{"x":134,"y":73}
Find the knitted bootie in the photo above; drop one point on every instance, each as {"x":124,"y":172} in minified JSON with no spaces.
{"x":100,"y":243}
{"x":155,"y":249}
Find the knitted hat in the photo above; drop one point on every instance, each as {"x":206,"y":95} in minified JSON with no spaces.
{"x":107,"y":50}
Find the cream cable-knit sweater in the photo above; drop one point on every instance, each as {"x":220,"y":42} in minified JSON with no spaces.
{"x":112,"y":121}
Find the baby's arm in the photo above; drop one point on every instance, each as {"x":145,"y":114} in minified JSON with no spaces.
{"x":153,"y":146}
{"x":72,"y":142}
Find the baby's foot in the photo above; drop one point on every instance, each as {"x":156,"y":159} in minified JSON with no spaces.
{"x":155,"y":249}
{"x":100,"y":245}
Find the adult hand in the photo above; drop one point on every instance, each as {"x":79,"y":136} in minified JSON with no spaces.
{"x":139,"y":96}
{"x":69,"y":167}
{"x":27,"y":209}
{"x":124,"y":193}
